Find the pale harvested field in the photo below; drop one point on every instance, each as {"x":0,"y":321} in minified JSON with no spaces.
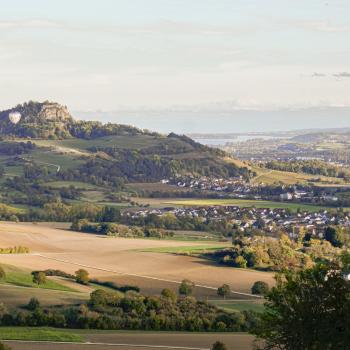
{"x":118,"y":258}
{"x":149,"y":340}
{"x":14,"y":296}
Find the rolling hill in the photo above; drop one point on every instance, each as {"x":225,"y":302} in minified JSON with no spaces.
{"x":45,"y":135}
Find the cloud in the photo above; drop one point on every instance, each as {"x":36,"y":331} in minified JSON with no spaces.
{"x":156,"y":27}
{"x":342,"y":75}
{"x":321,"y":26}
{"x":335,"y":75}
{"x":318,"y":75}
{"x":29,"y":23}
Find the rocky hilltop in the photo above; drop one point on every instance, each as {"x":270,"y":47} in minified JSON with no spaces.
{"x":54,"y":112}
{"x":51,"y":120}
{"x":36,"y":120}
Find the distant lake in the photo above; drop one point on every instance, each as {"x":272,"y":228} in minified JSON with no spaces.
{"x":238,"y":138}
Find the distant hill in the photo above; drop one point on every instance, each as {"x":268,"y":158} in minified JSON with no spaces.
{"x":50,"y":120}
{"x":109,"y":153}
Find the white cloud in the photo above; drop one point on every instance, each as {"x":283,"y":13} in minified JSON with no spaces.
{"x":29,"y":23}
{"x":321,"y":26}
{"x":157,"y":27}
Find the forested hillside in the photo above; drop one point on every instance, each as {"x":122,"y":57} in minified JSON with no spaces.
{"x":41,"y":143}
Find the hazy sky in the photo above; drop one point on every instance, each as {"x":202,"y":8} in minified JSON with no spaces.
{"x":206,"y":54}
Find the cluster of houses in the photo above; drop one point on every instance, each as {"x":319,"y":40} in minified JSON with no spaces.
{"x":239,"y":188}
{"x":204,"y":183}
{"x":307,"y":197}
{"x":245,"y":219}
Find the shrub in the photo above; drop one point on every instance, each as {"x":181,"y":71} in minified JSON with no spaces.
{"x":218,"y":345}
{"x":224,"y":290}
{"x":82,"y":276}
{"x":241,"y":262}
{"x":186,"y":287}
{"x":260,"y":288}
{"x":169,"y":294}
{"x":33,"y":304}
{"x":2,"y":273}
{"x":39,"y":277}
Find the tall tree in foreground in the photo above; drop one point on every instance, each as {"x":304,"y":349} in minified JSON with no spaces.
{"x":307,"y":310}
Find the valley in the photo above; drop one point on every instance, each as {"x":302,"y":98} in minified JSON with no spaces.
{"x":170,"y":234}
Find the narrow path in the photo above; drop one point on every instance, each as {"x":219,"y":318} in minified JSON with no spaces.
{"x":136,"y":275}
{"x":103,"y":344}
{"x":57,"y":166}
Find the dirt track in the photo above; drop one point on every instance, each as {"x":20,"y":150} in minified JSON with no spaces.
{"x":118,"y":257}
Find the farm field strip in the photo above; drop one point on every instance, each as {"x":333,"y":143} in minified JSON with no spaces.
{"x":243,"y":203}
{"x":137,"y":275}
{"x":122,"y":260}
{"x":104,"y":344}
{"x":95,"y":339}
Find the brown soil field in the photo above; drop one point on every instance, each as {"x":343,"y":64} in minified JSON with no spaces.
{"x":145,"y":340}
{"x":118,"y":258}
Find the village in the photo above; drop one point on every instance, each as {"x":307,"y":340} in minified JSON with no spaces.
{"x":239,"y":188}
{"x":250,"y":220}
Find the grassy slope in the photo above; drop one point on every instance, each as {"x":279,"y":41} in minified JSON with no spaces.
{"x":239,"y":305}
{"x":39,"y":334}
{"x":132,"y":142}
{"x":22,"y":278}
{"x":270,"y":177}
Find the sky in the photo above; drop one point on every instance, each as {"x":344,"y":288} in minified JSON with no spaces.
{"x":201,"y":64}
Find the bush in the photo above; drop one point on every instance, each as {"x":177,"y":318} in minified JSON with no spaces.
{"x":39,"y":277}
{"x":82,"y":276}
{"x":186,"y":287}
{"x":260,"y":288}
{"x":59,"y":273}
{"x":169,"y":294}
{"x":218,"y":345}
{"x":2,"y":273}
{"x":224,"y":290}
{"x":33,"y":304}
{"x":241,"y":262}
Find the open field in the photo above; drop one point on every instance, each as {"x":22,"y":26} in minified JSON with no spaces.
{"x":270,"y":177}
{"x":162,"y":202}
{"x":107,"y":340}
{"x":16,"y":296}
{"x":23,"y":278}
{"x":121,"y":259}
{"x":135,"y":142}
{"x":239,"y":305}
{"x":77,"y":184}
{"x":42,"y":334}
{"x":187,"y":250}
{"x":155,"y":186}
